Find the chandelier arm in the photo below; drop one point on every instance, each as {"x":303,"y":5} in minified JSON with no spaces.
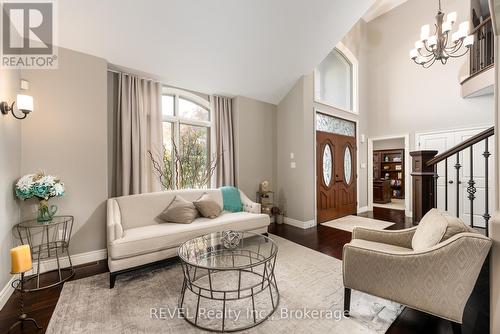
{"x":427,"y":65}
{"x":428,"y":49}
{"x":430,"y":54}
{"x":461,"y":55}
{"x":456,"y":47}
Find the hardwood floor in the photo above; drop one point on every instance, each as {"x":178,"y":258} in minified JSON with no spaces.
{"x":41,"y":304}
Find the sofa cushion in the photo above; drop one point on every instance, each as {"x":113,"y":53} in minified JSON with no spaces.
{"x":378,"y":246}
{"x":430,"y":230}
{"x":179,"y":211}
{"x":156,"y":237}
{"x":207,"y":206}
{"x":455,"y":226}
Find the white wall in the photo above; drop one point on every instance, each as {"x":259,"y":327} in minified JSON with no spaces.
{"x":10,"y":170}
{"x":255,"y":143}
{"x":389,"y":144}
{"x":405,"y":98}
{"x":67,"y":136}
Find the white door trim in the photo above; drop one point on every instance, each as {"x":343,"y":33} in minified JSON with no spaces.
{"x":350,"y":119}
{"x":407,"y":163}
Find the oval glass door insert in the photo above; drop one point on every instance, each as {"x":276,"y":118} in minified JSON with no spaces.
{"x":347,"y":165}
{"x":327,"y":165}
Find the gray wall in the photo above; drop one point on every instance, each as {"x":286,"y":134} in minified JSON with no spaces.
{"x":67,"y":136}
{"x":10,"y":170}
{"x":255,"y":143}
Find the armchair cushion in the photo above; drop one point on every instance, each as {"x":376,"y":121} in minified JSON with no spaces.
{"x":430,"y":230}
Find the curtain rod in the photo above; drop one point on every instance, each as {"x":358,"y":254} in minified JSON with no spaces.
{"x":127,"y":73}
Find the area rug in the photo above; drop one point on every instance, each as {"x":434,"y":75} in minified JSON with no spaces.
{"x":310,"y":283}
{"x":348,"y":223}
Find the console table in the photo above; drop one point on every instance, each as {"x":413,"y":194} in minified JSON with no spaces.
{"x":48,"y":241}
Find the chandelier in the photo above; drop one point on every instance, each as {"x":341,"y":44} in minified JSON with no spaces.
{"x":441,"y":45}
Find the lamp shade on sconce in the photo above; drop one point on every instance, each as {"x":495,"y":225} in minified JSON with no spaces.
{"x":24,"y":103}
{"x":20,"y":258}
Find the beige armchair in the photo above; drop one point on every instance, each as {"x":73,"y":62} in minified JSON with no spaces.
{"x":438,"y":280}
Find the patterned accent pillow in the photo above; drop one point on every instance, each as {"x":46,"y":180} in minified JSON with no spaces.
{"x":207,"y":206}
{"x":430,"y":230}
{"x":455,"y":226}
{"x":179,"y":211}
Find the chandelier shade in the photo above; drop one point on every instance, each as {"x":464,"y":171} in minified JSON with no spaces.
{"x":443,"y":43}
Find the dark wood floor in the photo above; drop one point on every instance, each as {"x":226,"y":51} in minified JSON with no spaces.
{"x":41,"y":304}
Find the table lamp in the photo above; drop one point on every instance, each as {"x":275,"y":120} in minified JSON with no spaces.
{"x":21,"y":263}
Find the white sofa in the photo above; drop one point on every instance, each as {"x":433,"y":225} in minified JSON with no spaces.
{"x":136,"y":237}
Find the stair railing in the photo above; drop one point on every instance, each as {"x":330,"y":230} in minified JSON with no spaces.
{"x":425,"y":176}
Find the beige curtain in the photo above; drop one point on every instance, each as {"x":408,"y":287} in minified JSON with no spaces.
{"x":224,"y":141}
{"x":138,"y":130}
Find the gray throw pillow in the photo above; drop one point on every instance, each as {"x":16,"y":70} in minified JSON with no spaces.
{"x":430,"y":230}
{"x":179,"y":211}
{"x":455,"y":226}
{"x":207,"y":206}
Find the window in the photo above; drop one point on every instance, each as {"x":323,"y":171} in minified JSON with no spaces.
{"x":186,"y":138}
{"x":335,"y":80}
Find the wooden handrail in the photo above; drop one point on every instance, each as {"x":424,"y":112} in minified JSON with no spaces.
{"x":480,"y":25}
{"x":462,"y":146}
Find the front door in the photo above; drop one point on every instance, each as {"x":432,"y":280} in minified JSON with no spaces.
{"x":336,"y":178}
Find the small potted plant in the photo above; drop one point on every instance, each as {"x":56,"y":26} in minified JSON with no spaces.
{"x":43,"y":187}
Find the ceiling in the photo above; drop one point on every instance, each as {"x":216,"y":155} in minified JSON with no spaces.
{"x":381,"y":7}
{"x":254,"y":48}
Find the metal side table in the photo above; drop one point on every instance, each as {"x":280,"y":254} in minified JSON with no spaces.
{"x":48,"y":241}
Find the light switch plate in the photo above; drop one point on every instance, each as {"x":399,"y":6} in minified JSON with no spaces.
{"x":363,"y":165}
{"x":25,"y":84}
{"x":293,"y":164}
{"x":292,"y":155}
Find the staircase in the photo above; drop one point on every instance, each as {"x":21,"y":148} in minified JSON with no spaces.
{"x":425,"y":176}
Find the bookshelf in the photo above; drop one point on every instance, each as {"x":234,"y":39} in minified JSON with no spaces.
{"x":389,"y":165}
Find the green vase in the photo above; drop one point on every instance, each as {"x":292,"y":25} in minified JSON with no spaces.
{"x":45,"y":212}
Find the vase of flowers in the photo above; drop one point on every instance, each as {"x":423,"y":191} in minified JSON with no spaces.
{"x":43,"y":187}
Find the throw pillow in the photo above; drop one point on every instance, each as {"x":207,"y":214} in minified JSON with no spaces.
{"x":179,"y":211}
{"x":231,"y":199}
{"x":207,"y":206}
{"x":430,"y":230}
{"x":455,"y":226}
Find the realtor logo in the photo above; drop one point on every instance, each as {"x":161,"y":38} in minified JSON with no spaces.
{"x":28,"y":33}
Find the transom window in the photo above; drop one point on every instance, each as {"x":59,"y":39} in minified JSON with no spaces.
{"x":186,"y":138}
{"x":335,"y":81}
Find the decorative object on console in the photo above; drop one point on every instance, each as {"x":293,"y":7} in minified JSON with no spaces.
{"x":266,"y":199}
{"x":428,"y":48}
{"x":20,"y":264}
{"x":23,"y":102}
{"x":264,"y":186}
{"x":43,"y":187}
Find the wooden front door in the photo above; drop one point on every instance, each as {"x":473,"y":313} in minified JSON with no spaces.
{"x":336,"y":178}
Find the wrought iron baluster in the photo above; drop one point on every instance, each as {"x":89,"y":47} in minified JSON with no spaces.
{"x":457,"y":167}
{"x":486,"y":215}
{"x":446,"y":184}
{"x":435,"y":186}
{"x":471,"y":189}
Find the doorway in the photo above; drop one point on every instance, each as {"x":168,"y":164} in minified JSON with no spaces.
{"x":336,"y":176}
{"x":389,"y":184}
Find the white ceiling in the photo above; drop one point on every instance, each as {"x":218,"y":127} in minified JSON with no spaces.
{"x":255,"y":48}
{"x":381,"y":7}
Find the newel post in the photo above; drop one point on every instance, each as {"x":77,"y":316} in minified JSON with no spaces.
{"x":423,"y":184}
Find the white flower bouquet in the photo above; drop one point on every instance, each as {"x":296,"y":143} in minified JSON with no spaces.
{"x":43,"y":187}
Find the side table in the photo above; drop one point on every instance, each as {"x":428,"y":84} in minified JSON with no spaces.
{"x":47,"y":240}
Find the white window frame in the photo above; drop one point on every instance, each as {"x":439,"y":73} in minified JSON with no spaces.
{"x":177,"y":120}
{"x":349,"y":56}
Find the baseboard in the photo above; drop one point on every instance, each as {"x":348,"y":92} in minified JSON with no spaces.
{"x":6,"y":292}
{"x":298,"y":223}
{"x":51,"y":264}
{"x":363,"y":209}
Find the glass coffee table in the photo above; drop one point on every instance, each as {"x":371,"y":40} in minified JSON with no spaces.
{"x":229,"y":283}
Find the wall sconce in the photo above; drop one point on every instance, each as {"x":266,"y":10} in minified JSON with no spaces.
{"x":24,"y":103}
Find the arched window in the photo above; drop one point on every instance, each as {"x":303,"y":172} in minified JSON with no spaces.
{"x":187,"y":123}
{"x":335,"y":80}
